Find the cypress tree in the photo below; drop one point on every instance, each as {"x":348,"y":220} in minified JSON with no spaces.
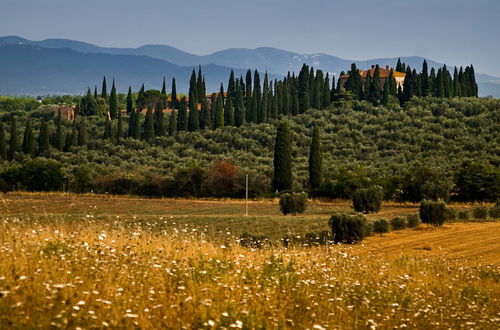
{"x":333,"y":90}
{"x":193,"y":86}
{"x":148,"y":128}
{"x":82,"y":132}
{"x":203,"y":89}
{"x":199,"y":86}
{"x":303,"y":87}
{"x":95,"y":91}
{"x":72,"y":138}
{"x":282,"y":179}
{"x":310,"y":83}
{"x":257,"y":98}
{"x":130,"y":106}
{"x":207,"y":115}
{"x":318,"y":90}
{"x":104,"y":92}
{"x":286,"y":98}
{"x":240,"y":116}
{"x":131,"y":124}
{"x":265,"y":101}
{"x":141,"y":99}
{"x":248,"y":92}
{"x":172,"y":123}
{"x":375,"y":87}
{"x":275,"y":103}
{"x":137,"y":125}
{"x":432,"y":82}
{"x":399,"y":66}
{"x":326,"y":92}
{"x":368,"y":87}
{"x":315,"y":161}
{"x":230,"y":113}
{"x":28,"y":139}
{"x":393,"y":88}
{"x":13,"y":138}
{"x":164,"y":87}
{"x":457,"y":90}
{"x":219,"y":113}
{"x":59,"y":138}
{"x":43,"y":139}
{"x":193,"y":120}
{"x":408,"y":88}
{"x":424,"y":78}
{"x":3,"y":145}
{"x":387,"y":91}
{"x":182,"y":119}
{"x":119,"y":128}
{"x":354,"y":83}
{"x":113,"y":105}
{"x":439,"y":84}
{"x":107,"y":129}
{"x":159,"y":120}
{"x":174,"y":103}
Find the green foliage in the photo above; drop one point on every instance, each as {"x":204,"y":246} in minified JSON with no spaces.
{"x":398,"y":223}
{"x":380,"y":226}
{"x":368,"y":200}
{"x":480,"y":212}
{"x":293,"y":203}
{"x":283,"y":158}
{"x":3,"y":145}
{"x":29,"y":147}
{"x":413,"y":220}
{"x":347,"y":228}
{"x":451,"y":214}
{"x":464,"y":215}
{"x":35,"y":175}
{"x":433,"y":212}
{"x":494,"y":212}
{"x":315,"y":161}
{"x":478,"y":181}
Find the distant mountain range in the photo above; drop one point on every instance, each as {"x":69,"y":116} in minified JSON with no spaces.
{"x":61,"y":66}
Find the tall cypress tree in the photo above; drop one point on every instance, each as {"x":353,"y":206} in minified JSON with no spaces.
{"x":131,"y":124}
{"x":393,"y":88}
{"x":13,"y":138}
{"x":3,"y":145}
{"x":439,"y":84}
{"x":193,"y":118}
{"x":199,"y":86}
{"x":239,"y":116}
{"x":282,"y":179}
{"x":248,"y":92}
{"x":193,"y":86}
{"x":315,"y":161}
{"x":130,"y":106}
{"x":231,"y":87}
{"x":172,"y":123}
{"x":432,"y":82}
{"x":218,"y":112}
{"x":59,"y":138}
{"x":326,"y":92}
{"x":354,"y":83}
{"x":119,"y":128}
{"x":399,"y":66}
{"x":28,"y":139}
{"x":159,"y":120}
{"x":82,"y":133}
{"x":104,"y":92}
{"x":387,"y":91}
{"x":303,"y":86}
{"x":182,"y":119}
{"x":164,"y":87}
{"x":318,"y":90}
{"x":113,"y":102}
{"x":424,"y":78}
{"x":457,"y":90}
{"x":95,"y":91}
{"x":375,"y":88}
{"x":257,"y":98}
{"x":43,"y":139}
{"x":262,"y":116}
{"x":137,"y":125}
{"x":148,"y":129}
{"x":368,"y":86}
{"x":141,"y":98}
{"x":207,"y":115}
{"x":174,"y":104}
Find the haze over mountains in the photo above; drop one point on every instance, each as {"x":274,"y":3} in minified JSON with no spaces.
{"x":61,"y":66}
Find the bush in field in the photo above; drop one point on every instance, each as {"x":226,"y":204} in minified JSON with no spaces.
{"x":480,"y":213}
{"x":433,"y":212}
{"x":380,"y":226}
{"x":293,"y":203}
{"x":464,"y":215}
{"x":451,"y":214}
{"x":398,"y":223}
{"x":42,"y":175}
{"x":495,"y":211}
{"x":347,"y":228}
{"x":413,"y":220}
{"x":368,"y":200}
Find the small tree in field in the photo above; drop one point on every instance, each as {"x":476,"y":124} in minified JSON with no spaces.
{"x":381,"y":226}
{"x":433,"y":212}
{"x":347,"y":228}
{"x":293,"y":203}
{"x":368,"y":200}
{"x":398,"y":223}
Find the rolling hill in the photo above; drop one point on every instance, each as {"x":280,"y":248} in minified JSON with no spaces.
{"x":170,"y":60}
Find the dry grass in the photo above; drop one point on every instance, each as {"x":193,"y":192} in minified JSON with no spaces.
{"x":96,"y":266}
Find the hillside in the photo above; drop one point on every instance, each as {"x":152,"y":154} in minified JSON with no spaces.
{"x":273,"y":60}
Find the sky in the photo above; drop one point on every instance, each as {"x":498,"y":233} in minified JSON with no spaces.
{"x":456,"y":32}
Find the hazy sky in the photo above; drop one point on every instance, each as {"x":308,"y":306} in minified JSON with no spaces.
{"x":457,"y":32}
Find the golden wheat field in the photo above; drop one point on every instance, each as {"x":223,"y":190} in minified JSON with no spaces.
{"x":84,"y":262}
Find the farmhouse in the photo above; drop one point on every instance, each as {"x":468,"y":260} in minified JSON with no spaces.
{"x":383,"y":73}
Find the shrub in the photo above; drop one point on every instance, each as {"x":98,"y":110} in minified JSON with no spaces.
{"x":480,"y":213}
{"x":398,"y":223}
{"x":348,"y":228}
{"x":495,"y":211}
{"x":413,"y":220}
{"x":464,"y":215}
{"x":293,"y":203}
{"x":433,"y":212}
{"x":381,"y":226}
{"x":368,"y":200}
{"x":451,"y":214}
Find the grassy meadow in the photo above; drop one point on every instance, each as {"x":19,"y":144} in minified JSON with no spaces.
{"x":70,"y":261}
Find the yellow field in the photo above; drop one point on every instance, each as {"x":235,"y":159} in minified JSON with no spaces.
{"x":92,"y":262}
